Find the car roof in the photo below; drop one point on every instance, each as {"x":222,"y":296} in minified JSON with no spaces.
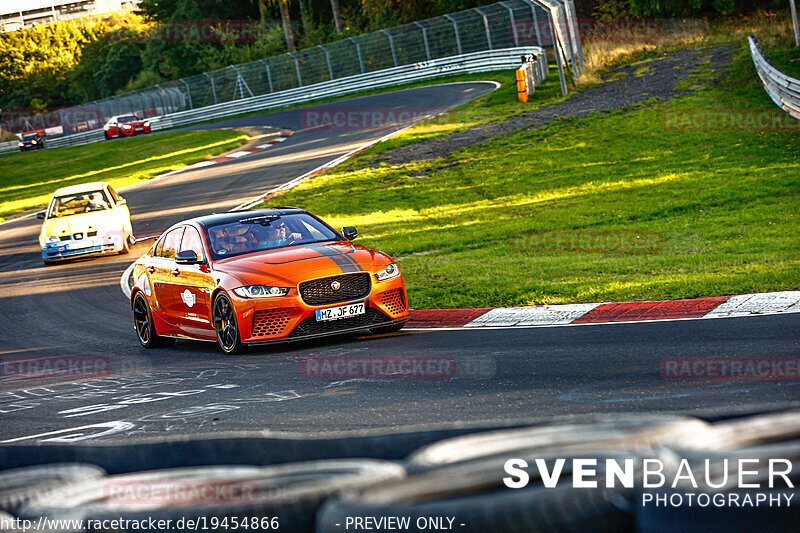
{"x":226,"y":218}
{"x":83,"y":187}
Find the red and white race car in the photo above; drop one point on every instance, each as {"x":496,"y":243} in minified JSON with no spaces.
{"x":125,"y":126}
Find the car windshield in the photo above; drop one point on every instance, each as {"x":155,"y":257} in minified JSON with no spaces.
{"x":265,"y":232}
{"x":127,"y":118}
{"x":78,"y":203}
{"x":30,"y":136}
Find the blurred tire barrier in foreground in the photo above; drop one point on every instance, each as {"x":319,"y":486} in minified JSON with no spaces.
{"x":594,"y":432}
{"x":455,"y":478}
{"x":18,"y":486}
{"x":289,"y":493}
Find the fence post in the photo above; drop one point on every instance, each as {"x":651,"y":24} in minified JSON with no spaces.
{"x":293,"y":55}
{"x":513,"y":22}
{"x":572,"y":15}
{"x":486,"y":25}
{"x":424,"y":39}
{"x":559,"y":58}
{"x":794,"y":23}
{"x":213,"y":86}
{"x":241,"y":84}
{"x":269,"y":76}
{"x":162,"y":93}
{"x":328,"y":57}
{"x":358,"y":50}
{"x":391,"y":44}
{"x":455,"y":27}
{"x":188,"y":92}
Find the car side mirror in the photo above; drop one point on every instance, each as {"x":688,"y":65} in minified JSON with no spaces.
{"x":187,"y":257}
{"x":40,"y":215}
{"x":349,"y":232}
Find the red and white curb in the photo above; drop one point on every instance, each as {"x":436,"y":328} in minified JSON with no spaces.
{"x":561,"y":315}
{"x":285,"y":134}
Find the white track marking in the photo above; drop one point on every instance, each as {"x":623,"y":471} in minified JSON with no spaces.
{"x":758,"y":304}
{"x":532,"y":316}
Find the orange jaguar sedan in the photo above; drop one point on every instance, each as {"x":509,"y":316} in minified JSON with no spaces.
{"x":259,"y":277}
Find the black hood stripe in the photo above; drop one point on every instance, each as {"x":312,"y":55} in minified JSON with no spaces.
{"x":342,"y":260}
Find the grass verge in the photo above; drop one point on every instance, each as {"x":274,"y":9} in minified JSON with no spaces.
{"x":722,"y":202}
{"x":30,"y":178}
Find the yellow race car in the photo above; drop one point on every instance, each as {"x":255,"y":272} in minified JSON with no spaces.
{"x":85,"y":219}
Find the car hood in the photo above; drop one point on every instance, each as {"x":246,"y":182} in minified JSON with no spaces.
{"x":294,"y":264}
{"x":77,"y":223}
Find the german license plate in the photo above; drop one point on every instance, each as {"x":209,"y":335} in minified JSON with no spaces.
{"x":342,"y":311}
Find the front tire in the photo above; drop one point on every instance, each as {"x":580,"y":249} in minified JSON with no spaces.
{"x":224,"y":316}
{"x":143,"y":323}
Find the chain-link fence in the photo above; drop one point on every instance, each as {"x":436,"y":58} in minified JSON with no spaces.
{"x":507,"y":24}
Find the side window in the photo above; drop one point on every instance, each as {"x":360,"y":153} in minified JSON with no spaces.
{"x":171,"y":242}
{"x":191,"y":241}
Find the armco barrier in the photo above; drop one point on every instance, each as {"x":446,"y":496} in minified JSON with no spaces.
{"x":783,"y":90}
{"x":11,"y":146}
{"x":486,"y":61}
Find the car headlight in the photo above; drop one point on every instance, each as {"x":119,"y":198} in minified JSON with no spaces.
{"x":106,"y":127}
{"x":126,"y":127}
{"x":51,"y":238}
{"x":392,"y":271}
{"x":261,"y":291}
{"x":146,"y":124}
{"x":21,"y":144}
{"x":33,"y":142}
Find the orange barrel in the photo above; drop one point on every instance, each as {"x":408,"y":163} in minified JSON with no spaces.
{"x":522,"y":85}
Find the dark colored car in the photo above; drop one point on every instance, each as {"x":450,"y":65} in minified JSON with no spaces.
{"x":31,"y":141}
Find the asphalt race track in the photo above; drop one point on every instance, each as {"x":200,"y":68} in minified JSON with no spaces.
{"x":77,"y":311}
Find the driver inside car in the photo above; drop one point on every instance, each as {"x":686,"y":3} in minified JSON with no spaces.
{"x":276,"y":235}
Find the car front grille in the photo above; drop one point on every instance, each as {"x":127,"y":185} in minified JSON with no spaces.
{"x":320,"y":292}
{"x":393,"y":301}
{"x":310,"y":326}
{"x":79,"y":251}
{"x":273,"y":321}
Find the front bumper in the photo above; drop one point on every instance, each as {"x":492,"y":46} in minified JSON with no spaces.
{"x":290,"y":318}
{"x":339,"y":331}
{"x":68,"y":250}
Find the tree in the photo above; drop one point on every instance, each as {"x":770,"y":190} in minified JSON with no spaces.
{"x":283,"y":6}
{"x":337,"y":17}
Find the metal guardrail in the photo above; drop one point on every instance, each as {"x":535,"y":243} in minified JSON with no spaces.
{"x":506,"y":24}
{"x":10,"y":146}
{"x":505,"y":59}
{"x":784,"y":90}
